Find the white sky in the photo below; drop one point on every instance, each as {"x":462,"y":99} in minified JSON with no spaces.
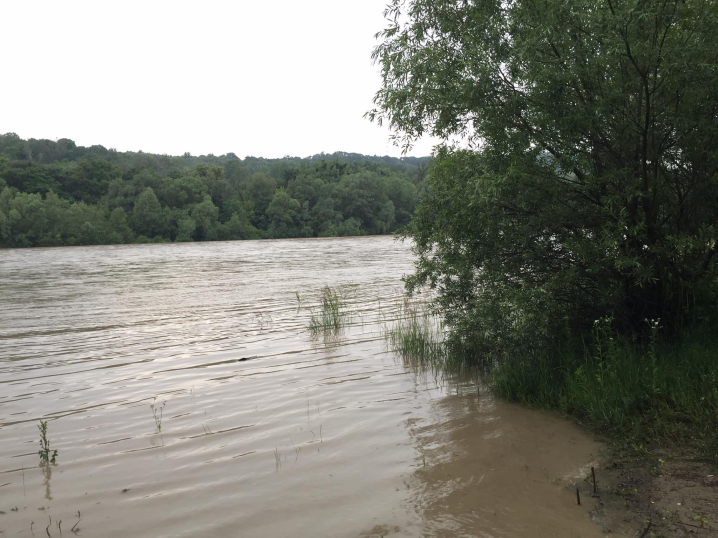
{"x":261,"y":78}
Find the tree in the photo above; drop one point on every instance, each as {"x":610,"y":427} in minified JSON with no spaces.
{"x":403,"y":195}
{"x":181,"y":191}
{"x":89,"y":180}
{"x":217,"y":186}
{"x":325,"y":217}
{"x":284,"y":215}
{"x":305,"y":188}
{"x":4,"y":229}
{"x":28,"y":177}
{"x":260,"y":190}
{"x":118,"y":225}
{"x":185,"y":230}
{"x":589,"y":184}
{"x":147,"y":214}
{"x":238,"y":227}
{"x":236,"y":173}
{"x":205,"y":217}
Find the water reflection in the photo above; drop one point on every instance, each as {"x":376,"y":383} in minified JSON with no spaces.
{"x":47,"y":475}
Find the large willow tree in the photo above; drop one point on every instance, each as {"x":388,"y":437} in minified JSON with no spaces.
{"x":590,"y":187}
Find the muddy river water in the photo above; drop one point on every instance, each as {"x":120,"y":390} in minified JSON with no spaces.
{"x":320,"y":438}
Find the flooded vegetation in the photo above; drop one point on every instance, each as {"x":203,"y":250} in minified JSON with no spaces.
{"x":329,"y":316}
{"x":188,"y":393}
{"x":417,"y":335}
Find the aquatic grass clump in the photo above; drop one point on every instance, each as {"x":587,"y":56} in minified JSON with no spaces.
{"x":417,"y":335}
{"x":330,"y":316}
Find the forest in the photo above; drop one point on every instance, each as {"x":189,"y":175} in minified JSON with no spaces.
{"x":55,"y":193}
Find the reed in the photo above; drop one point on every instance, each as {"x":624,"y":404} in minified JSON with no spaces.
{"x":330,"y":316}
{"x":416,"y":334}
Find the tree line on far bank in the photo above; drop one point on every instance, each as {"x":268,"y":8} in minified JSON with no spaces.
{"x":58,"y":193}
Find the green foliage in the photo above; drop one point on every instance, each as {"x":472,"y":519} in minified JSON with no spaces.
{"x":89,"y":180}
{"x":147,"y":217}
{"x":593,"y":192}
{"x":46,"y":454}
{"x":589,"y":192}
{"x":205,"y":217}
{"x":285,"y":216}
{"x":56,"y":193}
{"x":185,"y":230}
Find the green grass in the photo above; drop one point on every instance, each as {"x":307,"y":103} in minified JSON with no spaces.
{"x":417,"y":336}
{"x":659,"y":392}
{"x":329,"y":318}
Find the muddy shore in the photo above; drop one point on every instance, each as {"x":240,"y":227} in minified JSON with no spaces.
{"x":657,"y":493}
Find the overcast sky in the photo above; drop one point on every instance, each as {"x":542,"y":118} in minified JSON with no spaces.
{"x":261,"y":78}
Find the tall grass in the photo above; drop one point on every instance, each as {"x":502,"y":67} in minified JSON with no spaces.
{"x":659,"y":391}
{"x":416,"y":334}
{"x":329,"y":318}
{"x":637,"y":392}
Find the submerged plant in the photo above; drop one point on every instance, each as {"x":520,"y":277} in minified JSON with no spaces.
{"x":157,"y":414}
{"x":263,"y":320}
{"x":330,"y":316}
{"x":46,"y":454}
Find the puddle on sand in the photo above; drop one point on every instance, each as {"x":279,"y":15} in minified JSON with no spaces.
{"x":306,"y":438}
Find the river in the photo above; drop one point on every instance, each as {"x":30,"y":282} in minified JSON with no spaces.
{"x":326,"y":437}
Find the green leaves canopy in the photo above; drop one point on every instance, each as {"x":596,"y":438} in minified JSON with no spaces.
{"x":590,"y":185}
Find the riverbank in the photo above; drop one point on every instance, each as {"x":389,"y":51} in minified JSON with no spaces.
{"x":657,"y":493}
{"x":654,"y":404}
{"x":657,"y":406}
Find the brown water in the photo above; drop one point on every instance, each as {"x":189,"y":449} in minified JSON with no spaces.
{"x":310,"y":438}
